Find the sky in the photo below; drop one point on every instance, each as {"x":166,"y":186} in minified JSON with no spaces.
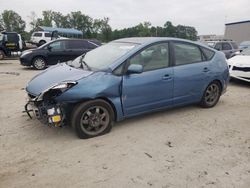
{"x":207,"y":16}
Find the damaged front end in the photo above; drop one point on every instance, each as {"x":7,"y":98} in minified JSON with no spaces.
{"x":45,"y":107}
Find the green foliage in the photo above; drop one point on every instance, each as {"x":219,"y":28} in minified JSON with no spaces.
{"x":92,"y":28}
{"x":11,"y":21}
{"x":168,"y":30}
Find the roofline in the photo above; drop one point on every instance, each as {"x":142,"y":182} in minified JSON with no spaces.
{"x":234,"y":23}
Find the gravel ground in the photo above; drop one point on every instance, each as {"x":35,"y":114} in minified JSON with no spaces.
{"x":183,"y":147}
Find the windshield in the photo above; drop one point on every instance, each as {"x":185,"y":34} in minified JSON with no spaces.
{"x":246,"y":51}
{"x":103,"y":56}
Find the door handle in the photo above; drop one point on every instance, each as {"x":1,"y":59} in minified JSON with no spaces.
{"x":205,"y":69}
{"x":166,"y":77}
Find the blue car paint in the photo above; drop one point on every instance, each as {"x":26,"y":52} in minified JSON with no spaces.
{"x":53,"y":76}
{"x":168,"y":87}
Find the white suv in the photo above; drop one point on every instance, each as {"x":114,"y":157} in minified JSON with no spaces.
{"x":40,"y":38}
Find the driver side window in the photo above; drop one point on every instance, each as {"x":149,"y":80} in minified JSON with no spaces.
{"x":153,"y":57}
{"x":58,"y":45}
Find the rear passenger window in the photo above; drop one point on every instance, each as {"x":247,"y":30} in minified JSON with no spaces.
{"x":75,"y":44}
{"x":187,"y":54}
{"x":37,"y":34}
{"x":47,"y":35}
{"x":208,"y":53}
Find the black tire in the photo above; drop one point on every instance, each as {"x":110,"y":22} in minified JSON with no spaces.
{"x":96,"y":123}
{"x":41,"y":43}
{"x":39,"y":63}
{"x":211,"y":95}
{"x":2,"y":55}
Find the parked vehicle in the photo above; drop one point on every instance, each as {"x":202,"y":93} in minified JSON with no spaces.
{"x":239,"y":66}
{"x":125,"y":78}
{"x":229,"y":48}
{"x":11,"y":44}
{"x":40,"y":38}
{"x":244,"y":44}
{"x":59,"y":50}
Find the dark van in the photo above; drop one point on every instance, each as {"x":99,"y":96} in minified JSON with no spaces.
{"x":56,"y":51}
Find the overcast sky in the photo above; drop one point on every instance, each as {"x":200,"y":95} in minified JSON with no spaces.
{"x":207,"y":16}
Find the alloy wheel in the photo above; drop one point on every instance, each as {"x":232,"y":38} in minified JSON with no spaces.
{"x":212,"y":94}
{"x":94,"y":120}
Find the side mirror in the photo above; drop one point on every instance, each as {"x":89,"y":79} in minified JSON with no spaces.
{"x":135,"y":69}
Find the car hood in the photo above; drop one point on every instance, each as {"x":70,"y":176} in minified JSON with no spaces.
{"x":53,"y":76}
{"x":240,"y":60}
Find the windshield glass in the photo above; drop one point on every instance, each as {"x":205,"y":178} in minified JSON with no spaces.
{"x":246,"y":51}
{"x":103,"y":56}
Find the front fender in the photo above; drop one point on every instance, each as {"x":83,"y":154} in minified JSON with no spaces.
{"x":98,"y":85}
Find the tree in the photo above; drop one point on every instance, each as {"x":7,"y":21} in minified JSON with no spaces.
{"x":11,"y":21}
{"x":60,"y":20}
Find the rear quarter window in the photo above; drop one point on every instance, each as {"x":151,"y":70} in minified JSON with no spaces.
{"x":235,"y":46}
{"x":209,"y":54}
{"x":47,"y":35}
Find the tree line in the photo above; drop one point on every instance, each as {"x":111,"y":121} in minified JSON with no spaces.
{"x":90,"y":27}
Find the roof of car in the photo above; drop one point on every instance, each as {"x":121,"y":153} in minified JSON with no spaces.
{"x":144,"y":40}
{"x":61,"y":30}
{"x":148,"y":40}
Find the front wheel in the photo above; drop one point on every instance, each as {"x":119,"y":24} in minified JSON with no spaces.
{"x":92,"y":118}
{"x":211,"y":95}
{"x":39,"y":63}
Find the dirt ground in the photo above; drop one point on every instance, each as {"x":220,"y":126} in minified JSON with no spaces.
{"x":183,"y":147}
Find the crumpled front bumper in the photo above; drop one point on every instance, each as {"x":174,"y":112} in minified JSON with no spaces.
{"x":50,"y":114}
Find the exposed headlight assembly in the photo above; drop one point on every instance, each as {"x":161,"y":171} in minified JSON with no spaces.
{"x":62,"y":87}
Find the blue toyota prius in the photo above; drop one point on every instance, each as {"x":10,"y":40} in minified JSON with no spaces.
{"x":125,"y":78}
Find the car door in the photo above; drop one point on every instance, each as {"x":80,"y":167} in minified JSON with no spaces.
{"x":56,"y":52}
{"x":191,"y":73}
{"x":153,"y":88}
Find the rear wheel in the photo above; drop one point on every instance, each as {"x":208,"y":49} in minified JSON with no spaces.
{"x":211,"y":95}
{"x":2,"y":55}
{"x":39,"y":63}
{"x":92,"y":118}
{"x":41,"y":43}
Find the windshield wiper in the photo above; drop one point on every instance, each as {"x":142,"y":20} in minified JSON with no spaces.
{"x":82,"y":62}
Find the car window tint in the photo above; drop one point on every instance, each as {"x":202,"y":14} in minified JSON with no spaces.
{"x":77,"y":44}
{"x":153,"y":57}
{"x":186,"y":53}
{"x":37,"y":34}
{"x":58,"y":45}
{"x":208,"y":53}
{"x":226,"y":46}
{"x":47,"y":35}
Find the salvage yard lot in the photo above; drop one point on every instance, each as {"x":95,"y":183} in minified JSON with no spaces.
{"x":182,"y":147}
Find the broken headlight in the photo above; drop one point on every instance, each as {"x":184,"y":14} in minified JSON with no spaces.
{"x":56,"y":90}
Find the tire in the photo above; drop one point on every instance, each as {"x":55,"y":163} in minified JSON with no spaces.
{"x":92,"y":118}
{"x":41,"y":42}
{"x":2,"y":55}
{"x":39,"y":63}
{"x":211,"y":95}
